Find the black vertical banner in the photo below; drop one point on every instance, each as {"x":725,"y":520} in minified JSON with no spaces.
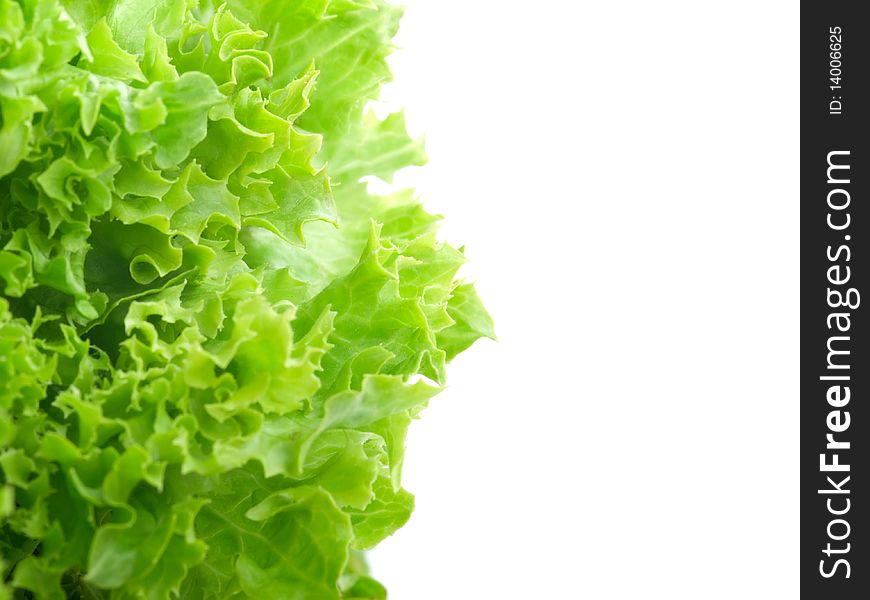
{"x":835,"y":269}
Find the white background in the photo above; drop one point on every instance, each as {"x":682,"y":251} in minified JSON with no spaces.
{"x":625,"y":177}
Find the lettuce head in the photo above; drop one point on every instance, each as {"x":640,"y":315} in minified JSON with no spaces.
{"x":213,"y":337}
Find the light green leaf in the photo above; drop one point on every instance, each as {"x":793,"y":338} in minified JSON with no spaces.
{"x":382,"y":517}
{"x":130,"y":20}
{"x":378,"y":148}
{"x":108,"y":58}
{"x":471,"y":321}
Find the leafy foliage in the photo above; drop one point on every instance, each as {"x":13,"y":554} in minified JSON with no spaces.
{"x":212,"y":335}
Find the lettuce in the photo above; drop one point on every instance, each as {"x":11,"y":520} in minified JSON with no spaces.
{"x":213,"y":337}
